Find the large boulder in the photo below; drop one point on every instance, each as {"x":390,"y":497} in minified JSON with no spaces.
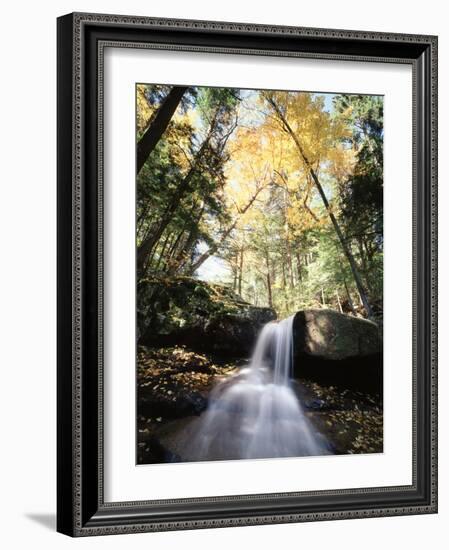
{"x":202,"y":316}
{"x":327,"y":334}
{"x":334,"y":348}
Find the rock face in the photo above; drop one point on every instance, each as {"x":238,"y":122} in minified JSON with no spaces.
{"x":327,"y":334}
{"x":333,"y":348}
{"x":199,"y":315}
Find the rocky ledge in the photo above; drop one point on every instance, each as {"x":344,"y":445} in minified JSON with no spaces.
{"x":201,"y":316}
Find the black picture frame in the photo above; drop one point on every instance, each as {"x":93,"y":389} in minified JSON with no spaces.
{"x":81,"y":509}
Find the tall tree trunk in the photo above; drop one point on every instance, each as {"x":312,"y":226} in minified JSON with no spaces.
{"x":269,"y":290}
{"x":141,"y":219}
{"x":290,"y":267}
{"x":173,"y":250}
{"x":158,"y":125}
{"x":299,"y":266}
{"x":348,"y":294}
{"x":240,"y":271}
{"x":187,"y":247}
{"x":339,"y":302}
{"x":270,"y":293}
{"x":284,"y":276}
{"x":322,"y":297}
{"x":360,"y":298}
{"x":361,"y":253}
{"x":161,"y":259}
{"x":255,"y":297}
{"x":287,"y":238}
{"x":147,"y":245}
{"x":186,"y":240}
{"x":355,"y":272}
{"x":235,"y":276}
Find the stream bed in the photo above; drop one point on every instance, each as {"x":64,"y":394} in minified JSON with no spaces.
{"x":173,"y":390}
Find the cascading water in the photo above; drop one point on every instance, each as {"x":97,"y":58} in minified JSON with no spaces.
{"x":256,"y":413}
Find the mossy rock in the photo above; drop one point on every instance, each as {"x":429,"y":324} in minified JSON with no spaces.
{"x":327,"y":334}
{"x":202,"y":316}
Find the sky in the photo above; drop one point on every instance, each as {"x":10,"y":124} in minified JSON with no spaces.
{"x":214,"y":269}
{"x":328,"y":101}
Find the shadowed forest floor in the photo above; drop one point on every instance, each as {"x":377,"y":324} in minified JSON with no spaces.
{"x":173,"y":385}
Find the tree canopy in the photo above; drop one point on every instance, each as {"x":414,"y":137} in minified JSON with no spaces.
{"x":277,"y":194}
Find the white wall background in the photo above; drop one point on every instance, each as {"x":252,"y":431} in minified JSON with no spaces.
{"x":28,"y":282}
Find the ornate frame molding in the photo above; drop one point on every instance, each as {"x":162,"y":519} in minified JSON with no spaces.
{"x":81,"y":41}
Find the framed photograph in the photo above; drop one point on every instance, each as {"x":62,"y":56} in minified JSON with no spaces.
{"x":246,"y":274}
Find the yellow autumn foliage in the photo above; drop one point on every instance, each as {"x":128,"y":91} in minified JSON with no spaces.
{"x":144,"y":111}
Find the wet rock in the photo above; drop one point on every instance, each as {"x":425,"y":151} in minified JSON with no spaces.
{"x":162,"y":405}
{"x":193,"y":402}
{"x":151,"y":450}
{"x":316,"y":404}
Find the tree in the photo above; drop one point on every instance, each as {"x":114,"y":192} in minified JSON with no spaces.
{"x":280,"y":112}
{"x":361,"y":192}
{"x":158,"y":124}
{"x":283,"y":188}
{"x":192,"y":156}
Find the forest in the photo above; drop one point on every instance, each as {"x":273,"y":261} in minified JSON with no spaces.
{"x":275,"y":194}
{"x":259,"y":268}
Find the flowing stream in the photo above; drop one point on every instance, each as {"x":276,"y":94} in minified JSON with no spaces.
{"x":256,"y":413}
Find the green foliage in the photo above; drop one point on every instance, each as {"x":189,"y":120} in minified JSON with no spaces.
{"x":226,"y":181}
{"x":193,"y":148}
{"x":361,"y":194}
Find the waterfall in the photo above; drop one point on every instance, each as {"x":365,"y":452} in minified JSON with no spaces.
{"x":275,"y":346}
{"x":256,"y":412}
